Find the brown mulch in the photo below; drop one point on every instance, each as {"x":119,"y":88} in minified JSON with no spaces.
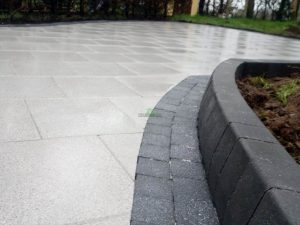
{"x":282,"y":120}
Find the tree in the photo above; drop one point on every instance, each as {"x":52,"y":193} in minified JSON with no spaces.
{"x":250,"y":8}
{"x":298,"y":11}
{"x":81,"y":7}
{"x":53,"y":6}
{"x":201,"y":7}
{"x":284,"y":10}
{"x":221,"y":7}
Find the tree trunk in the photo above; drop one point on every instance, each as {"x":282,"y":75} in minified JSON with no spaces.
{"x":24,"y":4}
{"x":295,"y":8}
{"x":69,"y":7}
{"x":207,"y":6}
{"x":221,"y":7}
{"x":228,"y":7}
{"x":53,"y":6}
{"x":250,"y":8}
{"x":114,"y":7}
{"x":201,"y":7}
{"x":127,"y":9}
{"x":282,"y":9}
{"x":81,"y":7}
{"x":165,"y":8}
{"x":298,"y":11}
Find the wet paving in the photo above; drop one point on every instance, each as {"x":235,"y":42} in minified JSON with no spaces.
{"x":73,"y":104}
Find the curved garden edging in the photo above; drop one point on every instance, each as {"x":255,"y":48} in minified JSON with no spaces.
{"x":251,"y":177}
{"x":170,"y":184}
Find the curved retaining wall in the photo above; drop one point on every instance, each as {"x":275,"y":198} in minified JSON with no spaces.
{"x":251,"y":177}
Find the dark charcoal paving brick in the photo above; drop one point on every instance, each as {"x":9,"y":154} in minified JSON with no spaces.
{"x":156,"y":139}
{"x":156,"y":129}
{"x":175,"y":119}
{"x":183,"y":107}
{"x":177,"y":95}
{"x":172,"y":100}
{"x":194,"y":95}
{"x":163,"y":113}
{"x":190,"y":113}
{"x":192,"y":102}
{"x":153,"y":168}
{"x":141,"y":223}
{"x":184,"y":123}
{"x":153,"y":187}
{"x":188,"y":84}
{"x":184,"y":119}
{"x":160,"y":121}
{"x":165,"y":106}
{"x":195,"y":213}
{"x":181,"y":128}
{"x":188,"y":190}
{"x":185,"y":169}
{"x":182,"y":88}
{"x":152,"y":210}
{"x":181,"y":139}
{"x":155,"y":152}
{"x":194,"y":79}
{"x":185,"y":152}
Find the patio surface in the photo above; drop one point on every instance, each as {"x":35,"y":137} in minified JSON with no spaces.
{"x":73,"y":99}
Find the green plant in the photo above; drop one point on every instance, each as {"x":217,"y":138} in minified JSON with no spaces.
{"x":286,"y":90}
{"x":260,"y":82}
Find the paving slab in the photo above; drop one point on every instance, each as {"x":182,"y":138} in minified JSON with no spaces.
{"x":61,"y":181}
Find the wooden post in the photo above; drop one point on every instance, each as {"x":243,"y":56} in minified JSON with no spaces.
{"x":170,"y":10}
{"x":195,"y":8}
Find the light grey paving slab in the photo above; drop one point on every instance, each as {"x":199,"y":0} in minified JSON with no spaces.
{"x":84,"y":69}
{"x":26,"y":87}
{"x":58,"y":56}
{"x":145,"y":50}
{"x":21,"y":46}
{"x":16,"y":123}
{"x":15,"y":56}
{"x":61,"y":181}
{"x":107,"y":57}
{"x":31,"y":39}
{"x":114,"y":69}
{"x":125,"y":148}
{"x":149,"y":58}
{"x":6,"y":68}
{"x":44,"y":68}
{"x":150,"y":86}
{"x":93,"y":87}
{"x":108,"y":49}
{"x":76,"y":117}
{"x":147,"y":69}
{"x":69,"y":47}
{"x":123,"y":219}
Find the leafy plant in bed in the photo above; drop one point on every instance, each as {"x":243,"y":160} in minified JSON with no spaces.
{"x":276,"y":101}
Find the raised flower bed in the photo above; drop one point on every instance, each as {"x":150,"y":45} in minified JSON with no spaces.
{"x":252,"y":178}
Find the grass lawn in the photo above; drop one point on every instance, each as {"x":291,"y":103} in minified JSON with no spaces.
{"x":284,"y":28}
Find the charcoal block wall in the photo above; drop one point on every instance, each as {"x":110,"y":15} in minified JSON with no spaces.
{"x":251,"y":177}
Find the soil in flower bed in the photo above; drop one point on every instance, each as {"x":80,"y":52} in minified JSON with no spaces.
{"x":276,"y":101}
